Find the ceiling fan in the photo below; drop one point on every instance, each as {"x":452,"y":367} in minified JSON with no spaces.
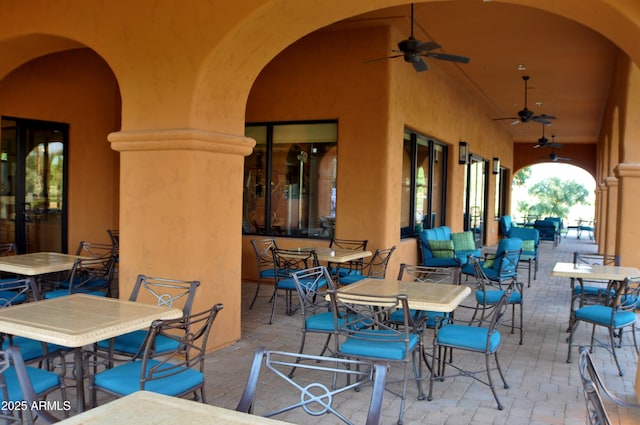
{"x":555,"y":158}
{"x":525,"y":115}
{"x":543,"y":142}
{"x":413,"y":51}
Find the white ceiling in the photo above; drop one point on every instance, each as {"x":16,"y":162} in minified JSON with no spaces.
{"x":570,"y":66}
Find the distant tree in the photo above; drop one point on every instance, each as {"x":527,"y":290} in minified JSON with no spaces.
{"x":521,"y":177}
{"x":554,"y":197}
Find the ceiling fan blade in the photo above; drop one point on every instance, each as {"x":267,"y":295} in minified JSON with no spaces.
{"x":429,"y":45}
{"x":419,"y":65}
{"x":447,"y":57}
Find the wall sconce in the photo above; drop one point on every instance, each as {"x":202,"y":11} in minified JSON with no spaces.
{"x":464,"y":153}
{"x":496,"y":165}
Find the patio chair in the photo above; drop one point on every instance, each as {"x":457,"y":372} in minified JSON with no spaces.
{"x":175,"y":373}
{"x":615,"y":315}
{"x":7,"y":249}
{"x":376,"y":268}
{"x":530,"y":255}
{"x":321,"y":391}
{"x":593,"y":387}
{"x":590,"y":291}
{"x":91,"y":276}
{"x":364,"y":332}
{"x":264,"y":259}
{"x":341,"y":270}
{"x":23,"y":386}
{"x":288,"y":261}
{"x":311,"y":286}
{"x":152,"y":290}
{"x":476,"y":339}
{"x":95,"y":249}
{"x":488,"y":295}
{"x":501,"y":267}
{"x":17,"y":291}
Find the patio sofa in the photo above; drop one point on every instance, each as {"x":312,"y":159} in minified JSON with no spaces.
{"x":441,"y":248}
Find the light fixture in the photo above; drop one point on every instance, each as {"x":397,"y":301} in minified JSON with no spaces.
{"x":496,"y":165}
{"x":463,"y":157}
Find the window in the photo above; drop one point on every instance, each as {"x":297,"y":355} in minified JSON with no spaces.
{"x":424,"y":173}
{"x":475,"y":197}
{"x":290,"y":179}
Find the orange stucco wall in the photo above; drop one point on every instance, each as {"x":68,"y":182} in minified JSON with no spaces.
{"x":75,"y":87}
{"x":175,"y":88}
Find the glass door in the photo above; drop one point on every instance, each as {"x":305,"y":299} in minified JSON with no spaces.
{"x":33,"y":185}
{"x":475,"y":214}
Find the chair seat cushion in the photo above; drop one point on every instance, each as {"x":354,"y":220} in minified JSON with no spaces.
{"x":64,"y":292}
{"x":468,"y":337}
{"x":601,"y":315}
{"x":398,"y":316}
{"x":131,"y":342}
{"x":591,"y":290}
{"x":347,"y":280}
{"x":11,"y":297}
{"x":286,"y":283}
{"x":42,"y":380}
{"x":322,"y":322}
{"x":125,"y":379}
{"x":267,"y":273}
{"x":380,"y":344}
{"x":493,"y":296}
{"x":30,"y":349}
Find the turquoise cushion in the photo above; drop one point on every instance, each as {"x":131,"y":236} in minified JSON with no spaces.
{"x":347,"y":280}
{"x":493,"y":296}
{"x":30,"y":349}
{"x":322,"y":322}
{"x":131,"y":342}
{"x":381,"y":345}
{"x":398,"y":316}
{"x":601,"y":315}
{"x":125,"y":379}
{"x":442,"y":249}
{"x":64,"y":292}
{"x":268,"y":273}
{"x":463,"y":241}
{"x":42,"y":381}
{"x":468,"y":337}
{"x":287,"y":283}
{"x":11,"y":297}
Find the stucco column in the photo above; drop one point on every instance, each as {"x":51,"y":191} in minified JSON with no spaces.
{"x":611,"y":217}
{"x":180,"y":215}
{"x":628,"y":231}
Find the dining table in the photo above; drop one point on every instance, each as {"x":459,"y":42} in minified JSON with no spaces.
{"x":578,"y":272}
{"x":336,"y":255}
{"x":79,"y":320}
{"x":148,"y":408}
{"x":36,"y":264}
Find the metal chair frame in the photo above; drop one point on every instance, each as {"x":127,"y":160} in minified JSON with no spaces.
{"x":288,"y":261}
{"x":264,"y":259}
{"x":318,"y":393}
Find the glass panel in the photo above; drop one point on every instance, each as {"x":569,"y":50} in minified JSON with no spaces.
{"x":405,"y":203}
{"x":8,"y":157}
{"x":43,"y":189}
{"x":422,"y":187}
{"x":301,"y":160}
{"x":438,"y":185}
{"x":477,"y":189}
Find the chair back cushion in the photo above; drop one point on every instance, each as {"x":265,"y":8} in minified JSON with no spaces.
{"x":440,"y":233}
{"x":463,"y":241}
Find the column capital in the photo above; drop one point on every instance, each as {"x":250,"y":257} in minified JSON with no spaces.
{"x":611,"y":181}
{"x":181,"y":139}
{"x":627,"y":169}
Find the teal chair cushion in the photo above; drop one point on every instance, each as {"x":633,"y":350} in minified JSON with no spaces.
{"x":30,"y":349}
{"x":322,"y":322}
{"x":11,"y":297}
{"x":131,"y":342}
{"x":468,"y":337}
{"x":601,"y":315}
{"x":268,"y":273}
{"x":42,"y":381}
{"x":125,"y":379}
{"x":64,"y":292}
{"x":493,"y":296}
{"x":353,"y":278}
{"x":381,"y":345}
{"x":398,"y":316}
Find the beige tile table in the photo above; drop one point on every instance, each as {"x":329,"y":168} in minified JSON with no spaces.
{"x":78,"y":320}
{"x":147,"y":408}
{"x":35,"y":264}
{"x":438,"y":297}
{"x":577,"y":272}
{"x":331,"y":255}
